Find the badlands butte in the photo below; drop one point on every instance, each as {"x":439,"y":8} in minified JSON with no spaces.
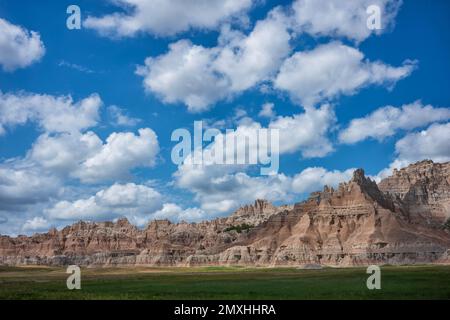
{"x":404,"y":219}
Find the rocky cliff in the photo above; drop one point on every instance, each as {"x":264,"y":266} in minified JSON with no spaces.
{"x":399,"y":221}
{"x":423,"y":188}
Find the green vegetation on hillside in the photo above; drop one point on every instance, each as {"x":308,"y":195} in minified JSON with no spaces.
{"x":239,"y":228}
{"x":447,"y":224}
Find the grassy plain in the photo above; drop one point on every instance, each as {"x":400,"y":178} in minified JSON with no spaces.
{"x":413,"y":282}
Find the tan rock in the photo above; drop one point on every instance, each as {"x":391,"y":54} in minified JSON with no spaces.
{"x":397,"y":222}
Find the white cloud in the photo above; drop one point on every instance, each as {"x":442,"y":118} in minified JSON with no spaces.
{"x":315,"y":178}
{"x":86,"y":157}
{"x":221,"y":189}
{"x":185,"y":74}
{"x":306,"y":132}
{"x":267,"y":110}
{"x":247,"y":60}
{"x":134,"y":201}
{"x":52,"y":114}
{"x":19,"y":47}
{"x":22,"y":186}
{"x":36,"y":224}
{"x":199,"y":77}
{"x":386,"y":121}
{"x":120,"y":118}
{"x":337,"y":18}
{"x":166,"y":17}
{"x":432,"y":143}
{"x":75,"y":66}
{"x":174,"y":212}
{"x":334,"y":69}
{"x":122,"y":151}
{"x":64,"y":153}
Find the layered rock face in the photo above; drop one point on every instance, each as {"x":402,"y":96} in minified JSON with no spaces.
{"x":424,"y":188}
{"x":398,"y":221}
{"x":255,"y":214}
{"x":356,"y":224}
{"x":108,"y":243}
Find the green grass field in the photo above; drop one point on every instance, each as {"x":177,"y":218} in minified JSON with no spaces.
{"x":418,"y":282}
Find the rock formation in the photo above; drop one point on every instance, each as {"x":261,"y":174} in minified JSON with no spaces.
{"x":424,"y":189}
{"x":255,"y":214}
{"x":399,"y":221}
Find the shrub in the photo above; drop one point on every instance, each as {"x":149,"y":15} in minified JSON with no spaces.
{"x":239,"y":228}
{"x":447,"y":224}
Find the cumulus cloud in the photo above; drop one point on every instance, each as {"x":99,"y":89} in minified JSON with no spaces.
{"x":130,"y":200}
{"x":22,"y":186}
{"x":63,"y":154}
{"x":248,"y":59}
{"x":220,"y":189}
{"x":316,"y":177}
{"x":166,"y":17}
{"x":122,"y":151}
{"x":306,"y":131}
{"x":63,"y":149}
{"x":19,"y":47}
{"x":36,"y":224}
{"x":386,"y":121}
{"x":51,"y":113}
{"x":199,"y":77}
{"x":267,"y":111}
{"x":26,"y":182}
{"x":29,"y":184}
{"x":336,"y":18}
{"x":334,"y":69}
{"x":174,"y":212}
{"x":86,"y":157}
{"x":185,"y":74}
{"x":120,"y":118}
{"x":432,"y":143}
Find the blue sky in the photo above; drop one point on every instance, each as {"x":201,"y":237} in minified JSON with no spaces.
{"x":331,"y":83}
